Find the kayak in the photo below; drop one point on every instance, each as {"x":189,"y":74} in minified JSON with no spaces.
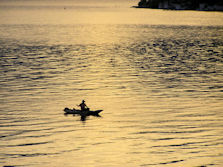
{"x":82,"y":113}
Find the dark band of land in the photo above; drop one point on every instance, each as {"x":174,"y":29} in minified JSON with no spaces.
{"x":203,"y":5}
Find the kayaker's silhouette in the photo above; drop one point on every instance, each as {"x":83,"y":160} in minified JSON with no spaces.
{"x":83,"y":112}
{"x":83,"y":106}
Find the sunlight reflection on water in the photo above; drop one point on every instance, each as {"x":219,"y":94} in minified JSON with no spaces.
{"x":160,"y":87}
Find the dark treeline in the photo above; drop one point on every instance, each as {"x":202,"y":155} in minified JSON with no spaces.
{"x":183,"y":4}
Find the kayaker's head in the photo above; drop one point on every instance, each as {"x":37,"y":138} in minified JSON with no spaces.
{"x":83,"y":101}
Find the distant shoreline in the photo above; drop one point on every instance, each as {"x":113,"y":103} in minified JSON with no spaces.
{"x":199,"y":5}
{"x":141,"y":7}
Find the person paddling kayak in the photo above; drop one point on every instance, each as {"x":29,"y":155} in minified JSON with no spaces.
{"x":83,"y":106}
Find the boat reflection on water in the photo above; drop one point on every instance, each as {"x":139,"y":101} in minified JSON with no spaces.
{"x":84,"y":117}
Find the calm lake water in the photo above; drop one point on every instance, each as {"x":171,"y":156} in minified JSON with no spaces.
{"x":157,"y":74}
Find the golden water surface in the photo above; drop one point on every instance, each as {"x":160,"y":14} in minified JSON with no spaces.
{"x":157,"y":75}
